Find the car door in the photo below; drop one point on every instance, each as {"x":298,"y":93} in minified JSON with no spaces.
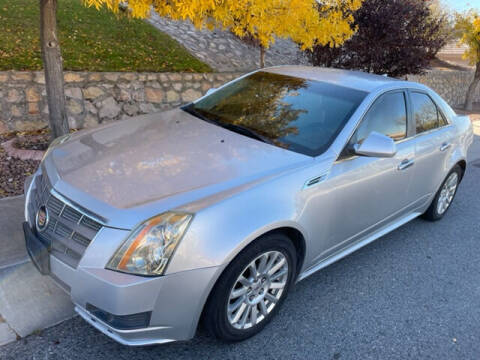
{"x":368,"y":192}
{"x":434,"y":136}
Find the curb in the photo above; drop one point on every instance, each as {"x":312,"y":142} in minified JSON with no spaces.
{"x":20,"y":262}
{"x":11,"y":197}
{"x":20,"y":153}
{"x":28,"y":301}
{"x":7,"y":335}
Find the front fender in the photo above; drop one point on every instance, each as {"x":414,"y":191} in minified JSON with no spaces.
{"x":218,"y":233}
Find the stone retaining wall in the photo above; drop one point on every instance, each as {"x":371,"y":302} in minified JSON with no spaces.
{"x":451,"y":85}
{"x":93,"y":98}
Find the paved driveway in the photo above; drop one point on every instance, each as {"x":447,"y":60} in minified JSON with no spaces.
{"x":414,"y":293}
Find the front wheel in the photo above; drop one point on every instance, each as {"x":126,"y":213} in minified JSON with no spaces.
{"x":252,"y":288}
{"x":445,"y":195}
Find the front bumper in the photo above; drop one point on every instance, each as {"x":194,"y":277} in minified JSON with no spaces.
{"x":137,"y":337}
{"x":175,"y":301}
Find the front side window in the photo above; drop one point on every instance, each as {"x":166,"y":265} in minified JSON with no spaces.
{"x":293,"y":113}
{"x":387,"y":116}
{"x":426,"y":114}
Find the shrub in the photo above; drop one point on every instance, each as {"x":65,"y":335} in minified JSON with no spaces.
{"x":394,"y":37}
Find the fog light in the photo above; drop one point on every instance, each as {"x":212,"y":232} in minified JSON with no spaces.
{"x":121,"y":322}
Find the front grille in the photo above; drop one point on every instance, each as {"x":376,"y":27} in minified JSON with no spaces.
{"x":91,"y":224}
{"x":81,"y":239}
{"x":69,"y":231}
{"x":71,"y":214}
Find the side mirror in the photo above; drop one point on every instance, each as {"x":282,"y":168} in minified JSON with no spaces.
{"x":211,"y":90}
{"x":376,"y":145}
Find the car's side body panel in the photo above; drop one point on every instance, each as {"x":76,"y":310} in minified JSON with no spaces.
{"x":357,"y":186}
{"x":432,"y":163}
{"x":356,"y":198}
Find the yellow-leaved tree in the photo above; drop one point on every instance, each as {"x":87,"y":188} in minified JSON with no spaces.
{"x":468,"y":26}
{"x":307,"y":22}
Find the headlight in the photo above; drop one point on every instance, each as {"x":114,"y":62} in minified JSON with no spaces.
{"x":150,"y":246}
{"x":59,"y":140}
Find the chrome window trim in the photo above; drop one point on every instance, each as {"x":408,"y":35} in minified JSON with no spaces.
{"x":432,"y":130}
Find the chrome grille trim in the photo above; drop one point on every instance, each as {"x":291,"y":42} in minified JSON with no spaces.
{"x":55,"y":204}
{"x":91,"y":224}
{"x":71,"y":214}
{"x":101,"y":221}
{"x":70,"y":230}
{"x":81,"y":239}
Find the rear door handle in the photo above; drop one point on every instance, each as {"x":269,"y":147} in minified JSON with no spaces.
{"x":405,"y":164}
{"x":445,"y":146}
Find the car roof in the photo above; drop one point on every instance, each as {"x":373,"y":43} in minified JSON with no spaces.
{"x":348,"y":78}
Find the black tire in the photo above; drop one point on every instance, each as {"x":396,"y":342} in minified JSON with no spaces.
{"x":432,"y":213}
{"x":215,"y":317}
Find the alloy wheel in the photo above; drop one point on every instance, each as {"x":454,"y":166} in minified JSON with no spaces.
{"x":447,"y":193}
{"x":257,"y":290}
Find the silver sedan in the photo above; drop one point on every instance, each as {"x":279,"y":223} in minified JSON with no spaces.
{"x":210,"y":212}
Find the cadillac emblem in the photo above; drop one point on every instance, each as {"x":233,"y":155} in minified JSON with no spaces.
{"x":41,"y":219}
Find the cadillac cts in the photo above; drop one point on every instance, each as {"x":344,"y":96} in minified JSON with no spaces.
{"x":210,"y":212}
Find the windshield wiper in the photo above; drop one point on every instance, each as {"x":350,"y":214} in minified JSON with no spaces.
{"x":246,"y":131}
{"x":236,"y":128}
{"x":189,"y":108}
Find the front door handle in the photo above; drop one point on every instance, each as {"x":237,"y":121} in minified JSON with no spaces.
{"x":445,"y":146}
{"x":405,"y":164}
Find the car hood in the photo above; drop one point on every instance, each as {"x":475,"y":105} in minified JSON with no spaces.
{"x":154,"y":157}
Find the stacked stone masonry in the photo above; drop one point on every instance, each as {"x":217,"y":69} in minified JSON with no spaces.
{"x":451,"y":85}
{"x":95,"y":98}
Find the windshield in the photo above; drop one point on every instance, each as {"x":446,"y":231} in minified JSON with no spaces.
{"x":296,"y":114}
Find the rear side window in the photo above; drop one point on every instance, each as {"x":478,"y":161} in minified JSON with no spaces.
{"x":387,"y":116}
{"x":426,"y":113}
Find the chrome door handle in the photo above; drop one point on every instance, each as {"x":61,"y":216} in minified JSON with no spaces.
{"x":445,"y":146}
{"x":405,"y":164}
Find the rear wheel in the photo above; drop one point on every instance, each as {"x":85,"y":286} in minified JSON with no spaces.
{"x":445,"y":195}
{"x":252,"y":288}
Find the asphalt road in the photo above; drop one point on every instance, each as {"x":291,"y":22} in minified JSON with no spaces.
{"x":414,"y":293}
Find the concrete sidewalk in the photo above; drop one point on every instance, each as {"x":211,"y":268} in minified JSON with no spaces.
{"x":28,"y":300}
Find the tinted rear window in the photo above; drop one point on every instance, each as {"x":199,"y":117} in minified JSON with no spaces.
{"x":297,"y":114}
